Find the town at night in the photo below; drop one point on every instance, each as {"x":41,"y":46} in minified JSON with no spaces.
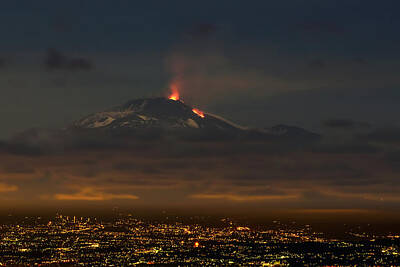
{"x":126,"y":240}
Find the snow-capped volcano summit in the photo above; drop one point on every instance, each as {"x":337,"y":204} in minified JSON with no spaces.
{"x":150,"y":119}
{"x":174,"y":116}
{"x":157,"y":112}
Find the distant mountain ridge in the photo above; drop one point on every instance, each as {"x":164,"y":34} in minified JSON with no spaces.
{"x":151,"y":119}
{"x":175,"y":116}
{"x":152,"y":113}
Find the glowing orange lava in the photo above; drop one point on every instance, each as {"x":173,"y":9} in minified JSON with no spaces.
{"x":198,"y":112}
{"x":174,"y":93}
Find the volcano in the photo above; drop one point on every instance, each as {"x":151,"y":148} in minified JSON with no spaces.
{"x":173,"y":116}
{"x":161,"y":113}
{"x":152,"y":119}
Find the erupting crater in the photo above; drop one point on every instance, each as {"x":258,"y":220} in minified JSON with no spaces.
{"x":174,"y":93}
{"x":176,"y":97}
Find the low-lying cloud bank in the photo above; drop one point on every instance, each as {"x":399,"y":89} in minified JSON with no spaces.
{"x":165,"y":170}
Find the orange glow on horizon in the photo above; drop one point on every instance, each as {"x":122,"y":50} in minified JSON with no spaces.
{"x":198,"y":112}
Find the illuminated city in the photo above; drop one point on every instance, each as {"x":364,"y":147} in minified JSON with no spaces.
{"x":126,"y":240}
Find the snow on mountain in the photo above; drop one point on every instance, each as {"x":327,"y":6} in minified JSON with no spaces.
{"x":153,"y":113}
{"x":151,"y":119}
{"x":176,"y":116}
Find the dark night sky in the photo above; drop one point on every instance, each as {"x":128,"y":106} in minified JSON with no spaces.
{"x":327,"y":66}
{"x":294,"y":62}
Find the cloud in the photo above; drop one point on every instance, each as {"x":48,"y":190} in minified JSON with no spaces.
{"x":204,"y":72}
{"x":55,"y":60}
{"x":36,"y":142}
{"x":93,"y":194}
{"x":234,"y":197}
{"x":393,"y":159}
{"x":332,"y":211}
{"x":389,"y":135}
{"x":208,"y":70}
{"x":349,"y":148}
{"x":339,"y":123}
{"x":169,"y":170}
{"x":21,"y":168}
{"x":7,"y":188}
{"x":124,"y":166}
